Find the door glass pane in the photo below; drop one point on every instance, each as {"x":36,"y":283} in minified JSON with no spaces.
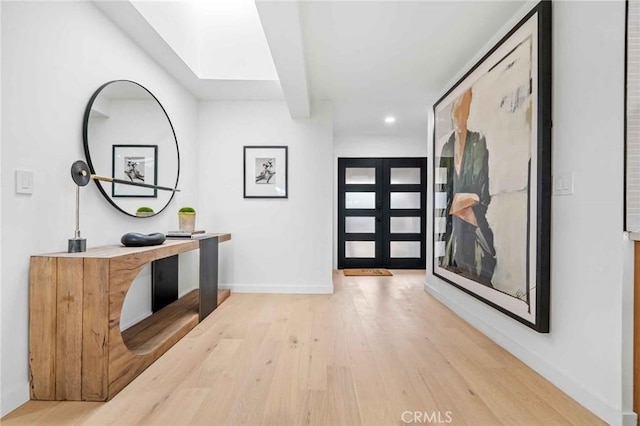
{"x":360,"y":249}
{"x":405,"y":225}
{"x":360,"y":175}
{"x":405,"y":176}
{"x":405,"y":249}
{"x":405,"y":200}
{"x":360,"y":200}
{"x":359,"y":225}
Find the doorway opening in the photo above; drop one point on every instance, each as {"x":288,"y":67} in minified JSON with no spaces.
{"x":382,"y":213}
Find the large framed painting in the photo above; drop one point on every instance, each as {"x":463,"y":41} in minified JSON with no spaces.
{"x":266,"y":172}
{"x":492,"y":175}
{"x":137,"y":164}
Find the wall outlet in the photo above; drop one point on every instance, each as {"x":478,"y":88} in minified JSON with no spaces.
{"x":24,"y":182}
{"x":563,"y":184}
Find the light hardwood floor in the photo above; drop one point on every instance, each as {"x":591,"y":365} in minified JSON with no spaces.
{"x":373,"y":353}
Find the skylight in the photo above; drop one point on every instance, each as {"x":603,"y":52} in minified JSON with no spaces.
{"x":217,"y":39}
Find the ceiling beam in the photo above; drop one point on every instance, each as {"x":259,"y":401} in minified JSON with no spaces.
{"x":281,"y":25}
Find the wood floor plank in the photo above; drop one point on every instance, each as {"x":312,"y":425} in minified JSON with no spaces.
{"x":226,"y":394}
{"x":560,"y":401}
{"x":376,"y":352}
{"x":182,"y":402}
{"x":317,"y":409}
{"x":318,"y":356}
{"x":378,"y":413}
{"x":343,"y":392}
{"x":250,"y":408}
{"x":52,"y":413}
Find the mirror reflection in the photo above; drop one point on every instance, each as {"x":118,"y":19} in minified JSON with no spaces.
{"x":128,"y":135}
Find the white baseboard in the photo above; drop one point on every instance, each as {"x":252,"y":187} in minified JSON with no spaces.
{"x":565,"y":383}
{"x":13,"y":398}
{"x":277,"y":289}
{"x":629,"y":419}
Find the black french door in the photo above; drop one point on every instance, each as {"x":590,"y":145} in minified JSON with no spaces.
{"x":382,"y":213}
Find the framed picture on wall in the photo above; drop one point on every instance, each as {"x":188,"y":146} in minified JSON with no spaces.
{"x":492,"y":175}
{"x":137,"y":164}
{"x":265,"y":171}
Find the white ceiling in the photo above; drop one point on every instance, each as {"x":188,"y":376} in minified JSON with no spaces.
{"x":379,"y":58}
{"x":370,"y":58}
{"x":393,"y":50}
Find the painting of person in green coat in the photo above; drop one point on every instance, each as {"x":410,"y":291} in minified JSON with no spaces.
{"x":469,"y":249}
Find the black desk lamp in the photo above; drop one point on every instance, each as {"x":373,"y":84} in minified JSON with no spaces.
{"x":81,"y":176}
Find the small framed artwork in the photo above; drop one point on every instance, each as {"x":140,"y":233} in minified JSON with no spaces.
{"x":265,"y":171}
{"x":137,"y":164}
{"x":492,"y":175}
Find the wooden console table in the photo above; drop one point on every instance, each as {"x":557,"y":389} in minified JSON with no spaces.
{"x":76,"y":349}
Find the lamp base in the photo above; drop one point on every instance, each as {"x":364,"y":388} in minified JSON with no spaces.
{"x":77,"y":245}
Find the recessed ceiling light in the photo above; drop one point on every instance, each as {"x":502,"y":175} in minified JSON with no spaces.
{"x":389,"y":119}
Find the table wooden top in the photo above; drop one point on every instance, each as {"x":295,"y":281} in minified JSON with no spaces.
{"x":177,"y":245}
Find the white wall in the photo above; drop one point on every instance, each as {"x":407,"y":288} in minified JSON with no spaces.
{"x":54,"y":56}
{"x":1,"y":404}
{"x":586,"y":354}
{"x":279,"y":245}
{"x":383,"y":146}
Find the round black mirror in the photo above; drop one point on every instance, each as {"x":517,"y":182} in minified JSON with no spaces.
{"x":128,"y":135}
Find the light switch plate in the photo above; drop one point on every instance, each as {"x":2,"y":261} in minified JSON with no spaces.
{"x":557,"y":184}
{"x":563,"y":184}
{"x":24,"y":182}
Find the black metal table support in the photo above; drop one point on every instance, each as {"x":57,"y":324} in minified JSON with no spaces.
{"x":164,"y":282}
{"x":208,"y":276}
